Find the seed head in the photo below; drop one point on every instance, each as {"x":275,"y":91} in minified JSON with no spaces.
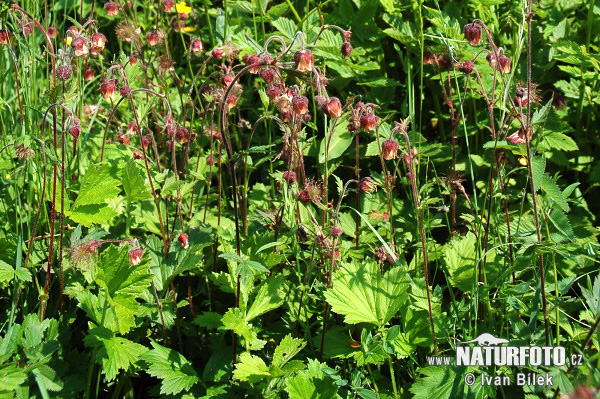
{"x":304,"y":60}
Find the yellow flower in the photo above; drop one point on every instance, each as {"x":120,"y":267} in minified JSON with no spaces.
{"x":189,"y":29}
{"x":523,"y":161}
{"x":182,"y":8}
{"x":69,"y":39}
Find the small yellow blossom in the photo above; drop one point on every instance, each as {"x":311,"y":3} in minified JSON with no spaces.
{"x":69,"y":39}
{"x":523,"y":161}
{"x":183,"y":8}
{"x":189,"y":29}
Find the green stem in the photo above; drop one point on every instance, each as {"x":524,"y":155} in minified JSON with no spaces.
{"x":393,"y":377}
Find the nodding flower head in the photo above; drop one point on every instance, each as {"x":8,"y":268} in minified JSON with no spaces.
{"x":367,"y":185}
{"x":75,"y":130}
{"x":427,"y":57}
{"x":168,"y":5}
{"x":64,"y":72}
{"x":336,"y":231}
{"x":346,"y":49}
{"x":210,"y":160}
{"x":88,"y":74}
{"x":196,"y":47}
{"x":108,"y":88}
{"x":466,"y":67}
{"x":332,"y":107}
{"x":273,"y":92}
{"x":289,"y":177}
{"x":473,"y":33}
{"x":389,"y":149}
{"x":304,"y":60}
{"x":368,"y":121}
{"x":153,"y":38}
{"x":269,"y":75}
{"x":135,"y":255}
{"x":98,"y":43}
{"x":491,"y":59}
{"x":80,"y":46}
{"x":300,"y":105}
{"x":125,"y":91}
{"x":250,"y":59}
{"x":218,"y":53}
{"x":111,"y":8}
{"x":184,"y":240}
{"x":504,"y":63}
{"x":51,"y":31}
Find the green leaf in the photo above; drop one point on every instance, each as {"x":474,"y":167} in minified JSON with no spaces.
{"x":123,"y":283}
{"x":549,"y":187}
{"x":312,"y":383}
{"x":98,"y":184}
{"x":558,"y":141}
{"x":133,"y":183}
{"x":23,"y":274}
{"x":88,"y":215}
{"x":559,"y":219}
{"x":287,"y":349}
{"x":363,"y":295}
{"x":538,"y":165}
{"x":114,"y":353}
{"x":285,"y":25}
{"x":269,"y":297}
{"x":250,"y":368}
{"x":175,"y":371}
{"x":234,"y":320}
{"x":340,"y":141}
{"x":11,"y":377}
{"x":541,"y":114}
{"x":7,"y":272}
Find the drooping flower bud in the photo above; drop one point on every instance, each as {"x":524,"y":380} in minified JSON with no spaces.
{"x":210,"y":160}
{"x":183,"y":240}
{"x":504,"y":63}
{"x":108,"y":88}
{"x":111,"y":8}
{"x":64,"y":72}
{"x":80,"y":46}
{"x":333,"y":107}
{"x":491,"y":59}
{"x":218,"y":53}
{"x":466,"y":67}
{"x":125,"y":91}
{"x":269,"y":75}
{"x":273,"y":92}
{"x":153,"y":38}
{"x":51,"y":31}
{"x":135,"y":256}
{"x":346,"y":49}
{"x":98,"y":43}
{"x":88,"y":74}
{"x":368,"y":121}
{"x":427,"y":57}
{"x":75,"y":130}
{"x":336,"y":231}
{"x":289,"y":177}
{"x":389,"y":149}
{"x":196,"y":47}
{"x":304,"y":60}
{"x":227,"y":79}
{"x":367,"y":185}
{"x":168,"y":5}
{"x":4,"y":36}
{"x":473,"y":33}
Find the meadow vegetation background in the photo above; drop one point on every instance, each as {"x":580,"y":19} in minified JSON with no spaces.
{"x":299,"y":198}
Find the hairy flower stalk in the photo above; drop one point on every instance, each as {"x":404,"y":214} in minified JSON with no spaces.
{"x":402,"y":128}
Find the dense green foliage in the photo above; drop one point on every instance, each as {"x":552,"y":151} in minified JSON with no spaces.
{"x":299,"y":198}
